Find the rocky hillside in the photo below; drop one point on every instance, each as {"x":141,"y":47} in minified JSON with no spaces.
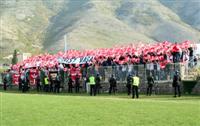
{"x":39,"y":25}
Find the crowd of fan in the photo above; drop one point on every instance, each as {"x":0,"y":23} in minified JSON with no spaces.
{"x":51,"y":78}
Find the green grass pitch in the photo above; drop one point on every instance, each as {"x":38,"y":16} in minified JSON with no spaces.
{"x":32,"y":109}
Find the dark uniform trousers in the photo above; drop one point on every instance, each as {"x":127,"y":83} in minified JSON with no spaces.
{"x":70,"y":86}
{"x":112,"y":88}
{"x":149,"y":89}
{"x":129,"y":89}
{"x":92,"y":90}
{"x":135,"y":91}
{"x":177,"y":88}
{"x":77,"y":86}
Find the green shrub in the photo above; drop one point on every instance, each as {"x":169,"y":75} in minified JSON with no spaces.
{"x":188,"y":86}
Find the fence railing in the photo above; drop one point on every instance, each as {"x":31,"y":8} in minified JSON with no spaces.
{"x":143,"y":71}
{"x":120,"y":72}
{"x":191,"y":68}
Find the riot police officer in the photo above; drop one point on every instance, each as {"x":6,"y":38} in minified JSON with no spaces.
{"x":97,"y":83}
{"x":70,"y":84}
{"x":25,"y":82}
{"x":129,"y":82}
{"x":176,"y":84}
{"x":113,"y":85}
{"x":150,"y":82}
{"x":5,"y":83}
{"x":77,"y":83}
{"x":57,"y":84}
{"x":38,"y":85}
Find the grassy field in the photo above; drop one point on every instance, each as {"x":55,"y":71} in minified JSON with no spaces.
{"x":75,"y":110}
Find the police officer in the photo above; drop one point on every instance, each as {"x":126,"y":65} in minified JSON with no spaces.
{"x":20,"y":83}
{"x":57,"y":84}
{"x":176,"y":84}
{"x":136,"y":82}
{"x":38,"y":85}
{"x":77,"y":83}
{"x":52,"y":83}
{"x":70,"y":84}
{"x":97,"y":83}
{"x":92,"y":85}
{"x":150,"y":82}
{"x":25,"y":82}
{"x":129,"y":82}
{"x":5,"y":83}
{"x":27,"y":79}
{"x":46,"y":83}
{"x":113,"y":84}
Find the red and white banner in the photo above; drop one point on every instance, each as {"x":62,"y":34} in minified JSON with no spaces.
{"x":15,"y":78}
{"x":33,"y":76}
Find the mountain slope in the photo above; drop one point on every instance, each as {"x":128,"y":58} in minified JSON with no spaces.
{"x":156,"y":21}
{"x":40,"y":25}
{"x":90,"y":26}
{"x":189,"y":11}
{"x":23,"y":25}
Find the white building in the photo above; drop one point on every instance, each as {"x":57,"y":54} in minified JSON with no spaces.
{"x":23,"y":56}
{"x":197,"y":51}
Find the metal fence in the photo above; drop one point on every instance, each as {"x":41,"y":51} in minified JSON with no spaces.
{"x":162,"y":77}
{"x":121,"y":72}
{"x":190,"y":70}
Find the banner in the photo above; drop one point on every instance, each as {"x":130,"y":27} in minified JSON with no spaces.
{"x":15,"y":79}
{"x":76,"y":60}
{"x":33,"y":76}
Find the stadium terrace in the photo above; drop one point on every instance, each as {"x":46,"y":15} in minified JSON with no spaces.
{"x":163,"y":53}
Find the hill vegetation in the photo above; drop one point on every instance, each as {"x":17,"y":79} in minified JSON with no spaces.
{"x":39,"y":25}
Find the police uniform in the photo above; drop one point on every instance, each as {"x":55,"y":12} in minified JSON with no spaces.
{"x":128,"y":85}
{"x":46,"y":84}
{"x":38,"y":83}
{"x":4,"y":83}
{"x":113,"y":85}
{"x":57,"y":84}
{"x":150,"y":82}
{"x":97,"y":83}
{"x":92,"y":85}
{"x":136,"y":82}
{"x":77,"y":84}
{"x":176,"y":84}
{"x":70,"y":85}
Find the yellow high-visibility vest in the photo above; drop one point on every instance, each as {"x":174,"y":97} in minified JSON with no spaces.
{"x":46,"y":81}
{"x":92,"y":80}
{"x":136,"y":81}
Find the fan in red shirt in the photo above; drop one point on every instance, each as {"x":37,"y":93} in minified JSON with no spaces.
{"x":176,"y":53}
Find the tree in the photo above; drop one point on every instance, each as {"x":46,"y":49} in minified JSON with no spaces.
{"x":14,"y":59}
